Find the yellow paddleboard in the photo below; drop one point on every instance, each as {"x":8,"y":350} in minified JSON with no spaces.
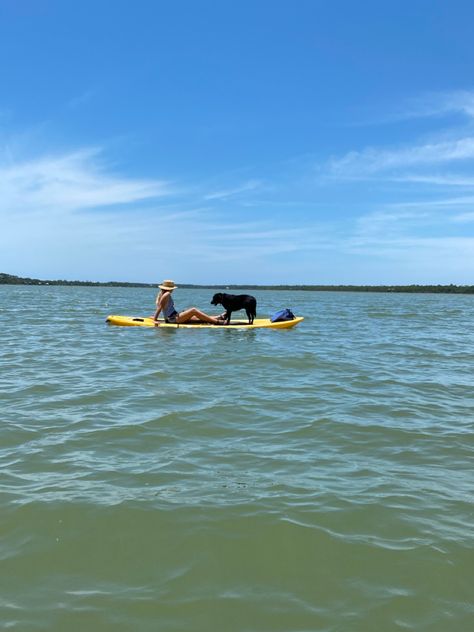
{"x":258,"y":323}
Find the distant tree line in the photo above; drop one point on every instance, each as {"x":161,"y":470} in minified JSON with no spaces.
{"x":11,"y":279}
{"x":437,"y":289}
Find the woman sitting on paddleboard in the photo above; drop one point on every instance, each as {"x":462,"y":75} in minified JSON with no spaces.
{"x":165,"y":304}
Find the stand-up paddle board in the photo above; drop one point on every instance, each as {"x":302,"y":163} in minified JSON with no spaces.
{"x":258,"y":323}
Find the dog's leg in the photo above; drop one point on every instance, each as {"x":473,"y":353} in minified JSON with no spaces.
{"x":254,"y":311}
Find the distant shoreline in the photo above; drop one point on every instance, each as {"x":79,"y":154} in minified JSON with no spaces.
{"x":9,"y":279}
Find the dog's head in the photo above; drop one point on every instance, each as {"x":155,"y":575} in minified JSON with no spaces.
{"x":217,"y":299}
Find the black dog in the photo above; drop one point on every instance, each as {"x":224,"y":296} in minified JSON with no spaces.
{"x":234,"y":302}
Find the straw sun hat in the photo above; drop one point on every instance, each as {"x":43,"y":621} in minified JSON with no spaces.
{"x":168,"y":285}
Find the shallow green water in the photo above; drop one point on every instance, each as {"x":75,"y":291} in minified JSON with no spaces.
{"x":318,"y":478}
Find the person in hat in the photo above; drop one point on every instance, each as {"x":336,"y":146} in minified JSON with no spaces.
{"x":165,"y":304}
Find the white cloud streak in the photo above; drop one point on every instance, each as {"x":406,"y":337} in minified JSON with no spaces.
{"x":444,"y":161}
{"x":74,"y":181}
{"x":72,"y":216}
{"x":359,"y":164}
{"x":251,"y":185}
{"x":73,"y":212}
{"x":440,"y":180}
{"x":438,"y":104}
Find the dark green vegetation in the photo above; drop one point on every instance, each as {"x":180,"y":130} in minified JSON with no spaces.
{"x":10,"y":279}
{"x":440,"y":289}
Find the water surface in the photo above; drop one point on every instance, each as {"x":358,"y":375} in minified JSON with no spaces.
{"x":318,"y":478}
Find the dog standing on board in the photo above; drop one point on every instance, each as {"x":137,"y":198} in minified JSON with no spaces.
{"x":234,"y":303}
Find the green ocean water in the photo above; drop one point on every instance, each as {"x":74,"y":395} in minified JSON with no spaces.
{"x":319,"y":478}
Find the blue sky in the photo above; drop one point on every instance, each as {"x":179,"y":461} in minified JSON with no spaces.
{"x":237,"y":142}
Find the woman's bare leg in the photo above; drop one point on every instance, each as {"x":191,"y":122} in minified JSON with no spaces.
{"x":193,"y":313}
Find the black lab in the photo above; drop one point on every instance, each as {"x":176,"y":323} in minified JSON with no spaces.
{"x":234,"y":302}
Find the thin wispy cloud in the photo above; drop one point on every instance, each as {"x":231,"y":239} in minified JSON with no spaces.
{"x":413,"y":224}
{"x":446,"y":160}
{"x":76,"y":207}
{"x":371,"y":161}
{"x":435,"y":104}
{"x":443,"y":203}
{"x":437,"y":179}
{"x":414,"y":246}
{"x":81,"y":99}
{"x":464,"y":218}
{"x":72,"y":181}
{"x":251,"y":185}
{"x":46,"y":204}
